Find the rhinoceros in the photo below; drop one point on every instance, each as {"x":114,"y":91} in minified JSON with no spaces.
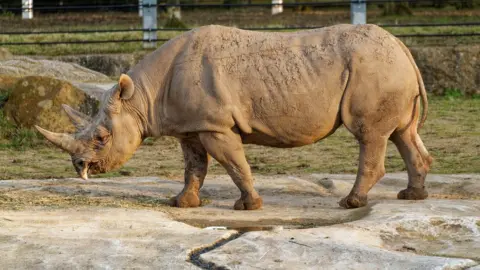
{"x":216,"y":88}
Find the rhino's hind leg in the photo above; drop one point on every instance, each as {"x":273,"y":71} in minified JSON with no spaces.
{"x":227,"y":149}
{"x":371,"y":168}
{"x":417,"y":161}
{"x":196,"y":165}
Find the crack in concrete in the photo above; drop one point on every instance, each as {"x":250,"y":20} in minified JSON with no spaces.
{"x":194,"y":255}
{"x":472,"y":266}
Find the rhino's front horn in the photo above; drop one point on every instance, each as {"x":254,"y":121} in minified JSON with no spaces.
{"x":78,"y":119}
{"x":62,"y":140}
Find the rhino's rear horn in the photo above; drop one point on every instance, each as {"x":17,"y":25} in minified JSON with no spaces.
{"x":78,"y":119}
{"x":65,"y":141}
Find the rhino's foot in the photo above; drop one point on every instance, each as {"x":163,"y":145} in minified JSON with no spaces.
{"x":412,"y":193}
{"x":353,"y":201}
{"x":248,"y":203}
{"x":185,"y":200}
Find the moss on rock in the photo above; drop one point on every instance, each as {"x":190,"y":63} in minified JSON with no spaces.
{"x":37,"y":100}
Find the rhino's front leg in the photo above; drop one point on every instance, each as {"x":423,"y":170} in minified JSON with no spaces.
{"x":227,"y":149}
{"x":196,"y":165}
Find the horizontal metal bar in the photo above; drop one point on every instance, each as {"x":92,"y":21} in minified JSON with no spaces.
{"x":81,"y":42}
{"x":246,"y":28}
{"x":164,"y":40}
{"x":439,"y":35}
{"x":312,"y":4}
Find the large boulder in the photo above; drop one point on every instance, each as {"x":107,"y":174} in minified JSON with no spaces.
{"x":37,"y":100}
{"x":110,"y":64}
{"x":70,"y":72}
{"x":449,"y":67}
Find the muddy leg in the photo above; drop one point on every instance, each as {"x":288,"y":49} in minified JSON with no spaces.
{"x":227,"y":149}
{"x":416,"y":159}
{"x":371,"y":168}
{"x":196,"y":165}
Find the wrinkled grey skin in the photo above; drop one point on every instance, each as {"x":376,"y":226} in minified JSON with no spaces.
{"x":216,"y":88}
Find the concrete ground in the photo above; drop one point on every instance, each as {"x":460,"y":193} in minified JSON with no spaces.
{"x":126,"y":223}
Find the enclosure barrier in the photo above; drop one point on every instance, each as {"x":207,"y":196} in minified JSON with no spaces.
{"x":153,"y":40}
{"x":148,"y":10}
{"x":223,"y":5}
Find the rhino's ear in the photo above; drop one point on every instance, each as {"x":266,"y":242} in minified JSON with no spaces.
{"x":126,"y":86}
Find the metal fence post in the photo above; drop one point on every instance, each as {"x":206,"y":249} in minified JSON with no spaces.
{"x":358,"y":11}
{"x":27,"y":11}
{"x":277,"y":6}
{"x":177,"y":11}
{"x":140,"y":8}
{"x":149,"y":23}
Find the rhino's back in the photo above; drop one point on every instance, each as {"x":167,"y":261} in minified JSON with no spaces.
{"x":285,"y":85}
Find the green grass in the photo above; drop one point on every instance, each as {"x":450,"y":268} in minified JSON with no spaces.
{"x":451,"y":134}
{"x":12,"y":137}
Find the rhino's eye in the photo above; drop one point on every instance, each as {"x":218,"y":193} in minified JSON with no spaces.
{"x":80,"y":163}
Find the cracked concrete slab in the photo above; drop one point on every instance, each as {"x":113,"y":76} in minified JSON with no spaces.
{"x":69,"y":223}
{"x":436,"y":234}
{"x":98,"y":238}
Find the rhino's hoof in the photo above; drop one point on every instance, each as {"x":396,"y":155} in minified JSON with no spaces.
{"x":185,"y":200}
{"x":353,"y":201}
{"x":248,"y":203}
{"x":412,"y":193}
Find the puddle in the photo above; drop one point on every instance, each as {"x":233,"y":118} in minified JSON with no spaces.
{"x":242,"y":221}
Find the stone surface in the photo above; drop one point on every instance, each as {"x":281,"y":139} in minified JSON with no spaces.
{"x":35,"y":100}
{"x":456,"y":67}
{"x":111,"y":65}
{"x":98,"y":239}
{"x":300,"y":226}
{"x":335,"y":247}
{"x":20,"y":67}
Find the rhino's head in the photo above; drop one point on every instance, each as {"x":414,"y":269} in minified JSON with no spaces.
{"x":109,"y":139}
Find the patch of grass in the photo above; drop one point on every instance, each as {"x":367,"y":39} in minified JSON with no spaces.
{"x":17,"y":200}
{"x":453,"y":93}
{"x":3,"y":98}
{"x":148,"y":141}
{"x":17,"y":138}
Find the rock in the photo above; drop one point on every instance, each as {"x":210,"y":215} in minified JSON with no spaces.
{"x":300,"y":225}
{"x":112,"y":64}
{"x":97,"y":238}
{"x":447,"y":228}
{"x":93,"y":83}
{"x":5,"y":54}
{"x":36,"y":100}
{"x":449,"y":68}
{"x":338,"y":247}
{"x":24,"y":66}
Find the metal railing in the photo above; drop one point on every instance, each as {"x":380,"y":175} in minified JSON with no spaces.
{"x":208,"y":5}
{"x":338,"y":3}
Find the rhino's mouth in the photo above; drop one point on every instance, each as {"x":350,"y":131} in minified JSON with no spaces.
{"x":94,"y":168}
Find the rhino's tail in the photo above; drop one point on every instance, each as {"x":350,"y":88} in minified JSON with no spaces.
{"x":423,"y":92}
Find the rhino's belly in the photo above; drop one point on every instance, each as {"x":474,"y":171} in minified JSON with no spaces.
{"x":288,"y":132}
